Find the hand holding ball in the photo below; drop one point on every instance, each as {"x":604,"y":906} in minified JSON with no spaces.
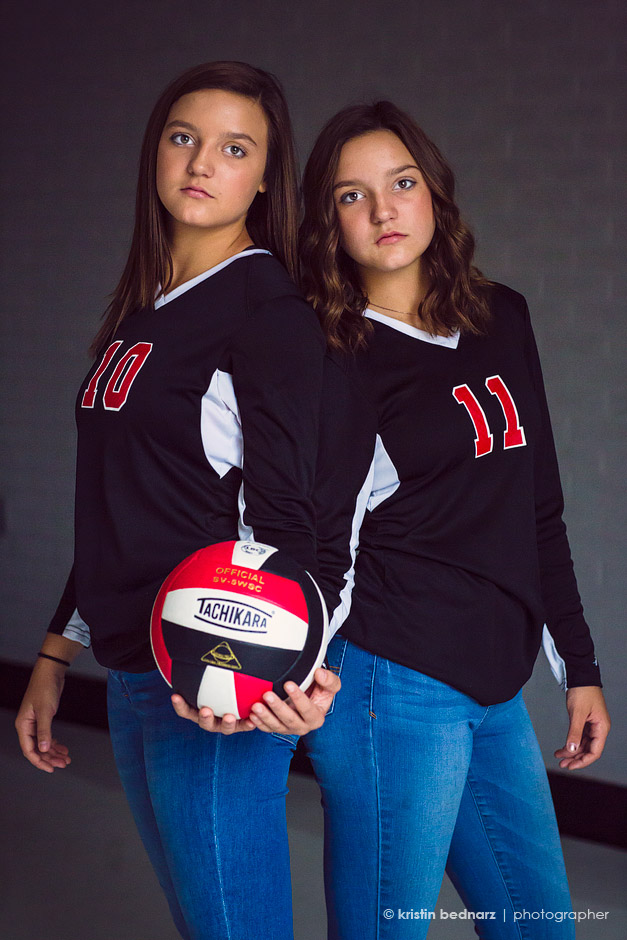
{"x":235,"y":620}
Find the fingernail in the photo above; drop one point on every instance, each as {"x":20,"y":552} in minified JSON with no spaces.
{"x":290,"y":687}
{"x":572,"y":747}
{"x":44,"y":745}
{"x":269,"y":697}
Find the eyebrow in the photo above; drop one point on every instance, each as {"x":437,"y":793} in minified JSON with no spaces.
{"x":394,"y":172}
{"x":235,"y":135}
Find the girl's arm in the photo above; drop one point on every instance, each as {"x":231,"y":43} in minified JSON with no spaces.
{"x":567,"y":638}
{"x":276,"y":365}
{"x":40,"y":704}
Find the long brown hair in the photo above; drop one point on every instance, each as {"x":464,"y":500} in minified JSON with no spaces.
{"x":272,"y":218}
{"x":456,"y":296}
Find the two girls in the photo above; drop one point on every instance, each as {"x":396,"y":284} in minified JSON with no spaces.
{"x":199,"y":422}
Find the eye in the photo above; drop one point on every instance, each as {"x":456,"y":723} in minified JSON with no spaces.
{"x":235,"y":151}
{"x":347,"y":199}
{"x":181,"y":139}
{"x":405,"y":184}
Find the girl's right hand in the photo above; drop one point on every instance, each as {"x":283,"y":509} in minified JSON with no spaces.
{"x":205,"y":718}
{"x":34,"y":719}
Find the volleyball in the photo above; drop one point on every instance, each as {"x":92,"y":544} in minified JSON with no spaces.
{"x":235,"y":620}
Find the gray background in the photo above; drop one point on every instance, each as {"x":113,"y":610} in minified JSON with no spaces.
{"x":525,"y":98}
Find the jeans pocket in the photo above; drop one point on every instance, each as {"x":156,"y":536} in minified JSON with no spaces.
{"x":334,"y":660}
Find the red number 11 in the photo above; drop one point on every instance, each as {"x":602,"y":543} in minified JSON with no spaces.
{"x":514,"y":435}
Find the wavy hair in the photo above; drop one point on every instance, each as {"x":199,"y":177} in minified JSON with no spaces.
{"x":272,"y":219}
{"x":456,"y":296}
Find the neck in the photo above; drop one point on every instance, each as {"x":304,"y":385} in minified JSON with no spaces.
{"x":400,"y":291}
{"x":196,"y":250}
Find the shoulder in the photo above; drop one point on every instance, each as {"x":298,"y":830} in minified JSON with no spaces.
{"x":348,"y":417}
{"x":345,"y":376}
{"x":276,"y":314}
{"x":509,"y":314}
{"x":266,"y":280}
{"x":345,"y":365}
{"x":502,"y":299}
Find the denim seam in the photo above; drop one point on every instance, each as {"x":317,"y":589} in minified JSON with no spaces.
{"x":214,"y":802}
{"x":378,"y":795}
{"x":284,"y":737}
{"x":494,"y":855}
{"x":337,"y":671}
{"x":485,"y":715}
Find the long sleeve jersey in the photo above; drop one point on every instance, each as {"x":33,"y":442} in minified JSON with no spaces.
{"x":441,"y":508}
{"x":198,"y":424}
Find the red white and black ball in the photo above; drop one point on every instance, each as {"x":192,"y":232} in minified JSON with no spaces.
{"x":235,"y":620}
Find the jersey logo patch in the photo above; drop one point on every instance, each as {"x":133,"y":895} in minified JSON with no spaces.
{"x":514,"y":434}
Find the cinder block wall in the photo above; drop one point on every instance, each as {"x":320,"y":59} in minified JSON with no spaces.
{"x":527,"y":101}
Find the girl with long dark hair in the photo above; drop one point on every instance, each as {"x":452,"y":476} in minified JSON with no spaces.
{"x":197,"y":423}
{"x":454,"y":560}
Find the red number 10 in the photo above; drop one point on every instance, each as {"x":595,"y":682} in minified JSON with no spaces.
{"x":125,"y":373}
{"x":514,"y":435}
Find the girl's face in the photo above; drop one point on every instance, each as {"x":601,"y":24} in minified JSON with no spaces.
{"x":211,"y":159}
{"x":383,"y":204}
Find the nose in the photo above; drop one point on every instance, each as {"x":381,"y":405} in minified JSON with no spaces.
{"x":201,"y":163}
{"x":382,"y":208}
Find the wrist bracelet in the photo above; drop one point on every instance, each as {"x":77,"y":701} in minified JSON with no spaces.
{"x":55,"y":659}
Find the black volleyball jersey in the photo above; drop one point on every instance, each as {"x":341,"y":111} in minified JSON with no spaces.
{"x":440,"y":508}
{"x":198,"y":424}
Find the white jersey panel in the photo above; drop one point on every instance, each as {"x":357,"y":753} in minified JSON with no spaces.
{"x":244,"y":530}
{"x":342,"y":611}
{"x":222,"y":440}
{"x":220,"y":425}
{"x":557,"y":664}
{"x":77,"y":630}
{"x":385,"y":478}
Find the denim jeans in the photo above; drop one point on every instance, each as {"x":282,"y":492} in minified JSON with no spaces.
{"x":210,"y":810}
{"x":416,"y":777}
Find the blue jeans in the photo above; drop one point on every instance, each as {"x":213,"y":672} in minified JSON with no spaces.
{"x":210,"y":811}
{"x":417,"y":777}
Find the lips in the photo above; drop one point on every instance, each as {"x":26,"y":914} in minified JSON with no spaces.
{"x":390,"y":238}
{"x":196,"y":192}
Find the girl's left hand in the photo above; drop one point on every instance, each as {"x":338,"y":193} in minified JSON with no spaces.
{"x":305,"y":713}
{"x":589,"y":727}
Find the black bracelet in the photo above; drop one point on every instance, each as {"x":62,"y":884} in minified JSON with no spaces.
{"x":55,"y":659}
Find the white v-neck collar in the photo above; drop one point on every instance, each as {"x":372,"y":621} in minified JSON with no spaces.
{"x":187,"y":285}
{"x":449,"y":341}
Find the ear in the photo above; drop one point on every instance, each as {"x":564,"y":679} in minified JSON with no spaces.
{"x":262,"y":187}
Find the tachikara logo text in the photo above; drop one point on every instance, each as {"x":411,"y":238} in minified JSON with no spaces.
{"x":232,"y":614}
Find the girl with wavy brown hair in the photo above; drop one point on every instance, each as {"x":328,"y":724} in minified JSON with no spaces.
{"x":449,"y":551}
{"x":197,"y":423}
